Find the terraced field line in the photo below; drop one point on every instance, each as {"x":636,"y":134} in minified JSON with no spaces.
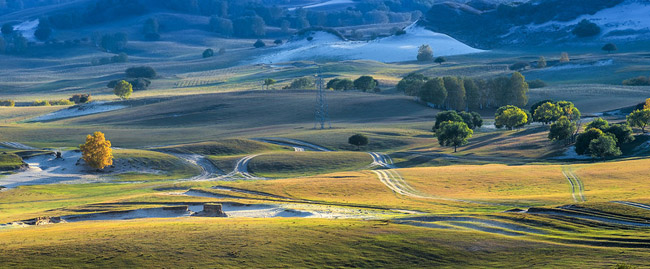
{"x":637,"y":205}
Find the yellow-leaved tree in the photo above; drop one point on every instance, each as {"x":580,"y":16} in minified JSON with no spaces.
{"x":123,"y":89}
{"x":97,"y":151}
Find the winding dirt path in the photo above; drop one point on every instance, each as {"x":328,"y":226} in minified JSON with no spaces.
{"x":637,"y":205}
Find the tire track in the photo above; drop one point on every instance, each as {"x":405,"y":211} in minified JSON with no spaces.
{"x":577,"y":187}
{"x":637,"y":205}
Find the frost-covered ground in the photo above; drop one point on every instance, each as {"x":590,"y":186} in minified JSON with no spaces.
{"x":631,"y":16}
{"x":27,"y":29}
{"x":325,"y":46}
{"x":79,"y":110}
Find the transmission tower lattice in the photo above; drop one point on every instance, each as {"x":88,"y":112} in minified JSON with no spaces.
{"x":322,"y":109}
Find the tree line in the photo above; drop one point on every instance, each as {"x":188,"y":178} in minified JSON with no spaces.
{"x":466,"y":93}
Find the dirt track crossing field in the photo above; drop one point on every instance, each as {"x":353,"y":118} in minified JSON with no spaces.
{"x":577,"y":188}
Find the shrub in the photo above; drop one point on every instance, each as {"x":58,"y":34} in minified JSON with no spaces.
{"x":358,"y":140}
{"x":609,"y":47}
{"x":278,"y":42}
{"x":425,"y":53}
{"x":41,"y":103}
{"x":536,"y":84}
{"x":519,"y":66}
{"x":259,"y":44}
{"x":141,"y":72}
{"x":123,"y":89}
{"x":302,"y":83}
{"x":440,"y":60}
{"x":637,"y":81}
{"x":208,"y":53}
{"x":365,"y":83}
{"x":9,"y":103}
{"x":62,"y":102}
{"x":81,"y":98}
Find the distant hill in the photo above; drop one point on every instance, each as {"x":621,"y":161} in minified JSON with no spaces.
{"x":485,"y":24}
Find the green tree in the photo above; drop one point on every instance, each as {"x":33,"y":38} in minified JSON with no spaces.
{"x":569,"y":110}
{"x":302,"y":83}
{"x":446,"y":116}
{"x":412,"y":84}
{"x":425,"y":53}
{"x":622,"y":131}
{"x":562,"y":129}
{"x":586,"y":28}
{"x":583,"y":140}
{"x":365,"y":83}
{"x":141,"y":72}
{"x":541,"y":63}
{"x":472,"y":119}
{"x":518,"y":90}
{"x":358,"y":140}
{"x":221,"y":26}
{"x":434,"y":92}
{"x":609,"y":47}
{"x":340,"y":84}
{"x":123,"y":89}
{"x":604,"y":146}
{"x":453,"y":134}
{"x":7,"y":29}
{"x":598,"y":123}
{"x":547,"y":113}
{"x":639,"y":118}
{"x":472,"y":93}
{"x":259,"y":44}
{"x":455,"y":92}
{"x":510,"y":117}
{"x":268,"y":82}
{"x":440,"y":60}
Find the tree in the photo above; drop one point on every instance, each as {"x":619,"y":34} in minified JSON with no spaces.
{"x":446,"y":116}
{"x":278,"y":42}
{"x":114,"y":42}
{"x":358,"y":140}
{"x":586,"y":28}
{"x":604,"y":146}
{"x":412,"y":83}
{"x":510,"y":117}
{"x":123,"y":89}
{"x":340,"y":84}
{"x":425,"y":53}
{"x":208,"y":53}
{"x":584,"y":139}
{"x":434,"y":92}
{"x":547,"y":113}
{"x":569,"y":110}
{"x":455,"y":92}
{"x":259,"y":44}
{"x":365,"y":83}
{"x":440,"y":60}
{"x":43,"y":33}
{"x":453,"y":134}
{"x":519,"y":66}
{"x":518,"y":90}
{"x":564,"y":57}
{"x":268,"y":82}
{"x":562,"y":129}
{"x":609,"y":47}
{"x":141,"y":72}
{"x":252,"y":26}
{"x":541,"y":63}
{"x":598,"y":123}
{"x":472,"y":93}
{"x":97,"y":151}
{"x":302,"y":83}
{"x":472,"y":119}
{"x":7,"y":29}
{"x":622,"y":131}
{"x":151,"y":29}
{"x":639,"y":118}
{"x":80,"y":98}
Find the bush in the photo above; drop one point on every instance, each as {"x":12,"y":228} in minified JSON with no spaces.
{"x":586,"y":29}
{"x":62,"y":102}
{"x":208,"y":53}
{"x":519,"y":66}
{"x":81,"y":98}
{"x":141,"y":72}
{"x":302,"y":83}
{"x":637,"y":81}
{"x":358,"y":140}
{"x":365,"y":83}
{"x":536,"y":84}
{"x":41,"y":103}
{"x":139,"y":84}
{"x":9,"y":103}
{"x":259,"y":44}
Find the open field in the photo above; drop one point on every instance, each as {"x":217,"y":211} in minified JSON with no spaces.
{"x":298,"y":164}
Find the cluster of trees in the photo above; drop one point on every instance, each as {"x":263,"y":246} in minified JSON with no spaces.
{"x":640,"y":117}
{"x":363,"y":83}
{"x":112,"y":42}
{"x":586,"y":28}
{"x":9,"y":103}
{"x":563,"y":117}
{"x":466,"y":93}
{"x":338,"y":84}
{"x":81,"y":98}
{"x":302,"y":83}
{"x":637,"y":81}
{"x":602,"y":140}
{"x":12,"y":42}
{"x":138,"y":84}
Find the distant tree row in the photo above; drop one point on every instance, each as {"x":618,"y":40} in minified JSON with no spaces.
{"x":463,"y":93}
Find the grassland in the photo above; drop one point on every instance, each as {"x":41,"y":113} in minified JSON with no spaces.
{"x":297,"y":164}
{"x":223,"y":147}
{"x":160,"y":166}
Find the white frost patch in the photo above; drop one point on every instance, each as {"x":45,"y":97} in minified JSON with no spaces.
{"x":27,"y":29}
{"x":600,"y":63}
{"x":324,"y":4}
{"x":389,"y":49}
{"x":79,"y":110}
{"x":570,"y":154}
